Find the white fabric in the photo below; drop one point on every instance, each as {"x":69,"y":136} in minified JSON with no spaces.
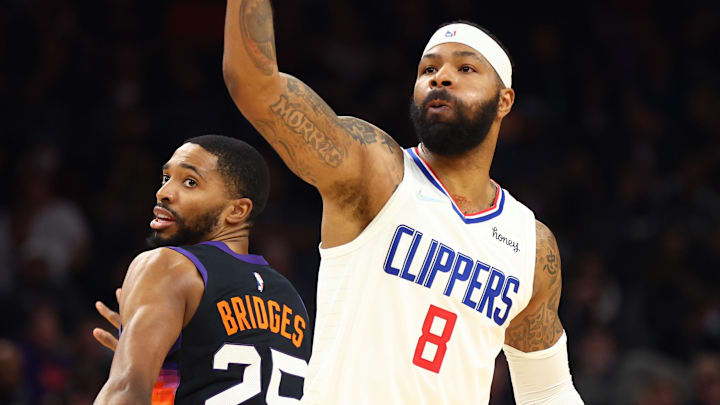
{"x":542,"y":377}
{"x":369,"y":322}
{"x":478,"y":40}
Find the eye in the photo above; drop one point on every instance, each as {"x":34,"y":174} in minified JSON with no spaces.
{"x":165,"y":179}
{"x":190,"y":182}
{"x":467,"y":69}
{"x":429,"y":69}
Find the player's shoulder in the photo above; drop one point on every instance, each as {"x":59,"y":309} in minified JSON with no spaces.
{"x":371,"y":136}
{"x":546,"y":247}
{"x":360,"y":129}
{"x":547,"y":257}
{"x":162,"y":259}
{"x":544,"y":236}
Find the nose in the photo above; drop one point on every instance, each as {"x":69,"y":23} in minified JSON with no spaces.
{"x":166,"y":193}
{"x":443,"y":78}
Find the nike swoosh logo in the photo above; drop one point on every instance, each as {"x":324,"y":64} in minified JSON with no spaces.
{"x":429,"y":198}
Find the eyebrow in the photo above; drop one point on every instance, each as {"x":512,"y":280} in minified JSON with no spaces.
{"x":459,"y":54}
{"x":468,"y":53}
{"x":186,"y":166}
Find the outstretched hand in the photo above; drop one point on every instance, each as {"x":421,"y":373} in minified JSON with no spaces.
{"x":106,"y":338}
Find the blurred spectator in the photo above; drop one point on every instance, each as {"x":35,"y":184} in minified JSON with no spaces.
{"x":594,"y":372}
{"x":614,"y":142}
{"x":51,"y":233}
{"x":706,"y":379}
{"x":13,"y":389}
{"x":47,"y":358}
{"x":644,"y":377}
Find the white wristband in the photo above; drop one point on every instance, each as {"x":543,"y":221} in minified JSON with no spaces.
{"x":542,"y":377}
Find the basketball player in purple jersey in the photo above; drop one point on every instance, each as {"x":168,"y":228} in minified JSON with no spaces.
{"x":202,"y":320}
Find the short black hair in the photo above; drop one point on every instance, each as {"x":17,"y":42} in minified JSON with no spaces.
{"x":485,"y":30}
{"x":245,"y":171}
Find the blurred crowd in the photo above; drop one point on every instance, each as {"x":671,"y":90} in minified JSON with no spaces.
{"x":614,"y":142}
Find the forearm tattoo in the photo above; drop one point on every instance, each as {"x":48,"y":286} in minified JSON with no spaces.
{"x":540,"y":329}
{"x":256,"y":26}
{"x":296,"y":120}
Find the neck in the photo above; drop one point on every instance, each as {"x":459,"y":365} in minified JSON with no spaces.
{"x":467,"y":176}
{"x":238,"y":240}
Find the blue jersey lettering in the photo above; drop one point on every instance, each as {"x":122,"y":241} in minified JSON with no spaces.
{"x":399,"y":232}
{"x":429,"y":261}
{"x":515,"y":283}
{"x":474,"y":284}
{"x":466,"y":263}
{"x":444,"y":262}
{"x":495,"y":290}
{"x":492,"y":290}
{"x":417,"y":237}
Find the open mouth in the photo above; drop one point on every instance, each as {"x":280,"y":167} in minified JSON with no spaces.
{"x":163,"y":219}
{"x":438,"y":105}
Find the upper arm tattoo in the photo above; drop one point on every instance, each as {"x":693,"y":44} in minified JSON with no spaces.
{"x":303,"y":112}
{"x":256,"y":26}
{"x":287,"y":153}
{"x":356,"y":129}
{"x":366,"y":134}
{"x":359,"y":131}
{"x":295,"y":119}
{"x":541,"y":327}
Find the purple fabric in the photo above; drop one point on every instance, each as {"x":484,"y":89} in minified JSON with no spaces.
{"x":170,"y":365}
{"x":177,"y":345}
{"x":193,"y":259}
{"x":252,"y":259}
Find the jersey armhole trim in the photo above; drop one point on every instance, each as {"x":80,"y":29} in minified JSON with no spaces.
{"x":198,"y":264}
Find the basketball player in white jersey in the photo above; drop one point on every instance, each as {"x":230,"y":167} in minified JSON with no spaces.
{"x":429,"y":268}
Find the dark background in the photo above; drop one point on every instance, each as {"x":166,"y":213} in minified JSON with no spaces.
{"x":613,"y":142}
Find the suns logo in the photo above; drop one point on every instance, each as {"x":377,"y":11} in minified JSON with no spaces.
{"x":260,"y":281}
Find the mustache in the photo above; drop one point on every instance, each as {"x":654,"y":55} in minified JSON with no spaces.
{"x":172,"y":211}
{"x":438,"y":94}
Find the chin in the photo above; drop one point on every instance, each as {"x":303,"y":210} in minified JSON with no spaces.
{"x":444,"y":117}
{"x":156,"y":240}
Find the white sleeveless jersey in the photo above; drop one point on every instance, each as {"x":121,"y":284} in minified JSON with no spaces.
{"x":414,"y":310}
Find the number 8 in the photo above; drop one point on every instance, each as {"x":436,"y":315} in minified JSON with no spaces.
{"x":439,"y":340}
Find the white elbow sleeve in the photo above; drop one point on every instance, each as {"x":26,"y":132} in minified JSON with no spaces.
{"x":542,"y":377}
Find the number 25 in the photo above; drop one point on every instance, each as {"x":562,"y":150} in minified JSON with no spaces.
{"x":251,"y":385}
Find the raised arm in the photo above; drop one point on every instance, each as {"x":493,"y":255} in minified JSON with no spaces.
{"x":160,"y":294}
{"x":341,"y":156}
{"x":535,"y":342}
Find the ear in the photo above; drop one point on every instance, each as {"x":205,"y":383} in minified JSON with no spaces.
{"x":507,"y":98}
{"x":239,"y":211}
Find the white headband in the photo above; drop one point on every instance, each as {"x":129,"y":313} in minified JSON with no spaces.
{"x":480,"y":41}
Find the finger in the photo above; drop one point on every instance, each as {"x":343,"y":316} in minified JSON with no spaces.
{"x":107,"y":313}
{"x":117,"y":294}
{"x":105,"y":338}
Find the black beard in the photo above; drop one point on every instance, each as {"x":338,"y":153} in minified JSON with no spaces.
{"x":189,"y":233}
{"x":452,"y":138}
